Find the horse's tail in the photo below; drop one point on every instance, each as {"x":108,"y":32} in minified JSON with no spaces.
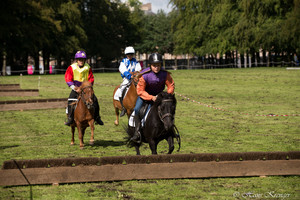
{"x":177,"y":136}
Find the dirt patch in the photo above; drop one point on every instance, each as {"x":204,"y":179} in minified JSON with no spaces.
{"x":32,"y":104}
{"x":9,"y":86}
{"x":19,"y":92}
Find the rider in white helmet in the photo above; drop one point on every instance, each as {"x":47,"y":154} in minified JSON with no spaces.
{"x":127,"y":65}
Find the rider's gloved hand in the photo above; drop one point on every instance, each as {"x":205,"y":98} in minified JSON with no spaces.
{"x":127,"y":75}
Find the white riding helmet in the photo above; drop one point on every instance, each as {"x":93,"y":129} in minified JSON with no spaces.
{"x":129,"y":50}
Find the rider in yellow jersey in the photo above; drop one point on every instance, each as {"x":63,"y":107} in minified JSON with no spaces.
{"x":77,"y":73}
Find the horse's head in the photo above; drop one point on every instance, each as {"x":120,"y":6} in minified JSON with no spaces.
{"x":135,"y":77}
{"x":166,"y":109}
{"x":87,"y":94}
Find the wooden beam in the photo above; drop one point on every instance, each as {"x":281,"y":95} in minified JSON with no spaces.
{"x":76,"y":174}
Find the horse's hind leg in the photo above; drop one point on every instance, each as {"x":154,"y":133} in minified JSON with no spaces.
{"x":171,"y":144}
{"x":73,"y":131}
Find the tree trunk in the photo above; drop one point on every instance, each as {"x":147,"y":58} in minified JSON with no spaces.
{"x":239,"y":60}
{"x":36,"y":60}
{"x":59,"y":62}
{"x":25,"y":60}
{"x":245,"y":60}
{"x":268,"y":59}
{"x":188,"y":61}
{"x":4,"y":64}
{"x":46,"y":61}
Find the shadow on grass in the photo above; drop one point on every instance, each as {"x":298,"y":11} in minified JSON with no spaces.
{"x":109,"y":143}
{"x":6,"y":147}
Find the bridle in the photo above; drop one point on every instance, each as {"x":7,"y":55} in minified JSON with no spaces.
{"x":174,"y":128}
{"x":83,"y":93}
{"x":163,"y":116}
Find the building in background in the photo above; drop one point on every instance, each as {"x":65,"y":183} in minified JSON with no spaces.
{"x":147,"y":8}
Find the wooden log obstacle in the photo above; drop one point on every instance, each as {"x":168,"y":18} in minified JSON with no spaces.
{"x":14,"y":90}
{"x":9,"y":86}
{"x":118,"y":168}
{"x":32,"y":104}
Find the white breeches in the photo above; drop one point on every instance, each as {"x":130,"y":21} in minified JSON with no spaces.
{"x":120,"y":90}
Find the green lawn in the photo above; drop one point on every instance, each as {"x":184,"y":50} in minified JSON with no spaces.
{"x":243,"y":98}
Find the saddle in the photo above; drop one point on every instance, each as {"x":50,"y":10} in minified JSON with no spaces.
{"x":144,"y":111}
{"x":142,"y":114}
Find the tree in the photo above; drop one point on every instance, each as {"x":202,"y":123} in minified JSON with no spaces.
{"x":289,"y":28}
{"x":157,"y":35}
{"x":220,"y":26}
{"x":108,"y":28}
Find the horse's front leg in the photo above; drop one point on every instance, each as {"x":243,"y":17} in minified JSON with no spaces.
{"x":80,"y":136}
{"x":117,"y":116}
{"x":153,"y":146}
{"x":73,"y":131}
{"x":137,"y":149}
{"x":91,"y":123}
{"x":171,"y":144}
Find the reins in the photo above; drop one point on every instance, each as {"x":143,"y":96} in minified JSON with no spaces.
{"x":175,"y":130}
{"x":82,"y":92}
{"x":161,"y":116}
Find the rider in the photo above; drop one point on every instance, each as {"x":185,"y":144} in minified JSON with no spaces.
{"x":127,"y":65}
{"x":76,"y":73}
{"x":150,"y":84}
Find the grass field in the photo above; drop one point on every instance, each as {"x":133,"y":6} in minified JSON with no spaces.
{"x":246,"y":97}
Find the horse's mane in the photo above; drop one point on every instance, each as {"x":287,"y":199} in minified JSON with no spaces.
{"x":164,"y":95}
{"x":85,"y":84}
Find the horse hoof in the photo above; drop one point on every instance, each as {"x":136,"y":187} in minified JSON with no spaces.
{"x":72,"y":144}
{"x":81,"y":148}
{"x":116,"y":123}
{"x":91,"y":142}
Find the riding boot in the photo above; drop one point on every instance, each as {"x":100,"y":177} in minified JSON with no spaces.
{"x":97,"y":112}
{"x":123,"y":108}
{"x":71,"y":109}
{"x":137,"y":134}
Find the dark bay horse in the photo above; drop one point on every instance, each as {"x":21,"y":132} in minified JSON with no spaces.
{"x":159,"y":124}
{"x":84,"y":113}
{"x":129,"y":99}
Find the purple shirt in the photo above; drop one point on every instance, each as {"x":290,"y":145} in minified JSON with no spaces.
{"x":155,"y":83}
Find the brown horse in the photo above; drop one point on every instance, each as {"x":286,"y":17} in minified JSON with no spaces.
{"x":129,"y":99}
{"x":84,"y":113}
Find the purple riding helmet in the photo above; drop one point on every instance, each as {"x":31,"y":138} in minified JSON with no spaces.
{"x":80,"y":54}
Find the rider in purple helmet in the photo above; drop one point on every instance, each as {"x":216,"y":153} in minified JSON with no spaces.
{"x":76,"y":73}
{"x":151,"y":83}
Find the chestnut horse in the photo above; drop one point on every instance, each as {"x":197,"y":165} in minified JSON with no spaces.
{"x":129,"y":99}
{"x":84,"y":113}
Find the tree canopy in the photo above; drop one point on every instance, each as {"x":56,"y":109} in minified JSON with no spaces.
{"x":219,"y":26}
{"x":103,"y":28}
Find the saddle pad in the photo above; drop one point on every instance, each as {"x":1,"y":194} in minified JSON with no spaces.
{"x":131,"y":118}
{"x":71,"y":100}
{"x":118,"y":93}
